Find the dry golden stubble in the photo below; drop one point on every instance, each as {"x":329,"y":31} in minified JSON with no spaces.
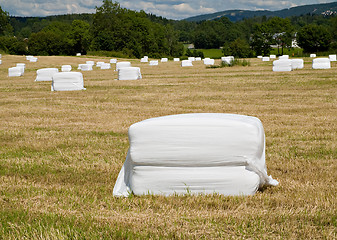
{"x":61,"y":151}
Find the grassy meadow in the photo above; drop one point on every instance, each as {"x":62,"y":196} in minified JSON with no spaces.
{"x":61,"y":152}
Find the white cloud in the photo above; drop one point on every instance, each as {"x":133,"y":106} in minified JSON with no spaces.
{"x":183,"y":7}
{"x":173,"y":9}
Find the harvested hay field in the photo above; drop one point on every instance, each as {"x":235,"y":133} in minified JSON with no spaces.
{"x":61,"y":152}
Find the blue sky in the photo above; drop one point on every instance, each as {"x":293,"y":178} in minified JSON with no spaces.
{"x":172,"y":9}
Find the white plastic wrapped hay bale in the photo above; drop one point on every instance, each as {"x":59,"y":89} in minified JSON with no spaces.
{"x":66,"y":68}
{"x":33,"y":59}
{"x":144,"y":59}
{"x":321,"y":63}
{"x":282,"y":65}
{"x":15,"y":72}
{"x":195,"y":153}
{"x":85,"y":67}
{"x":228,"y":59}
{"x":45,"y":74}
{"x":191,"y":59}
{"x":313,"y":55}
{"x":105,"y":66}
{"x":186,"y":63}
{"x":122,"y":65}
{"x":67,"y":81}
{"x":208,"y":61}
{"x":164,"y":60}
{"x":265,"y":59}
{"x":333,"y":58}
{"x":272,"y":56}
{"x":283,"y":57}
{"x":129,"y":73}
{"x":22,"y":66}
{"x":99,"y":64}
{"x":198,"y":59}
{"x":28,"y":57}
{"x":297,"y":63}
{"x":153,"y":63}
{"x":113,"y":60}
{"x":90,"y":62}
{"x":176,"y":59}
{"x":78,"y":54}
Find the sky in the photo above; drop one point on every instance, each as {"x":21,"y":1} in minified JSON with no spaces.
{"x":171,"y":9}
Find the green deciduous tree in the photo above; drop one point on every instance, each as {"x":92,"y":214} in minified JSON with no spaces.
{"x":118,"y":29}
{"x":313,"y":38}
{"x":5,"y":27}
{"x":283,"y":32}
{"x":47,"y":43}
{"x":238,"y":48}
{"x":80,"y":36}
{"x":12,"y":45}
{"x":262,"y":39}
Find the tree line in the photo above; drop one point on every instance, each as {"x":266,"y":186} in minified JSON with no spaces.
{"x":121,"y":32}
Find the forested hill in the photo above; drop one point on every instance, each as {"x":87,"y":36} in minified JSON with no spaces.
{"x":237,"y":15}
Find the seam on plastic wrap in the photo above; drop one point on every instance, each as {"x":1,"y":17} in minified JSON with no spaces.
{"x":264,"y":178}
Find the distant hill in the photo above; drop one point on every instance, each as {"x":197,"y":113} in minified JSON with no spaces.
{"x":237,"y":15}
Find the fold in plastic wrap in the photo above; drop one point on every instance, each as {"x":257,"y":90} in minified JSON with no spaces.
{"x":195,"y":153}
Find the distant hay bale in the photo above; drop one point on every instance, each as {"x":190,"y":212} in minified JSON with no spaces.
{"x":67,"y":81}
{"x":66,"y":68}
{"x":186,"y":63}
{"x":45,"y":74}
{"x":321,"y":63}
{"x":129,"y":73}
{"x":282,"y":65}
{"x":15,"y":72}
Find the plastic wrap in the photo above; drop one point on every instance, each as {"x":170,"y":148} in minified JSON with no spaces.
{"x":321,"y":63}
{"x":45,"y":74}
{"x":283,"y":57}
{"x":195,"y":153}
{"x":105,"y":66}
{"x":186,"y":63}
{"x":208,"y":61}
{"x":333,"y":58}
{"x":33,"y":59}
{"x":122,"y":65}
{"x":228,"y":59}
{"x":66,"y":68}
{"x":282,"y":65}
{"x":15,"y":72}
{"x":67,"y":81}
{"x":85,"y":67}
{"x":129,"y":73}
{"x":297,"y":63}
{"x":153,"y":63}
